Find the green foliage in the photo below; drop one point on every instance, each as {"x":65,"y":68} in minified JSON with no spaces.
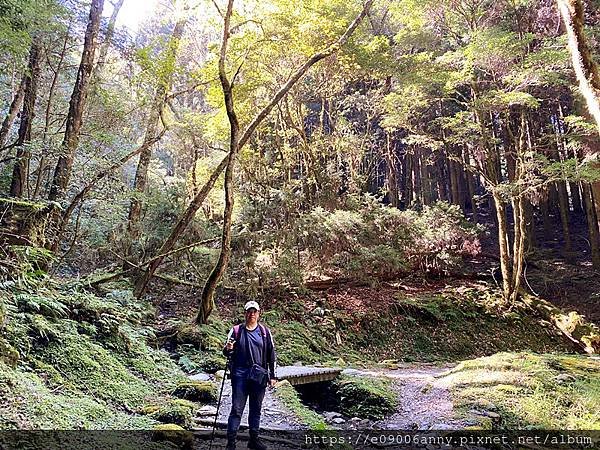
{"x":32,"y":404}
{"x":192,"y":361}
{"x":19,"y":20}
{"x":203,"y":337}
{"x":46,"y":306}
{"x":84,"y":356}
{"x":369,"y":398}
{"x":365,"y":240}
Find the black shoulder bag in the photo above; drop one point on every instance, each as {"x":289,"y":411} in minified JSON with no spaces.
{"x":257,"y":374}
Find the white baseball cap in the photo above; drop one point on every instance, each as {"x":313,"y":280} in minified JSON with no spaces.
{"x":251,"y":304}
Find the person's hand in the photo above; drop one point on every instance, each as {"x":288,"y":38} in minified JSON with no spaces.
{"x":229,"y":345}
{"x":272,"y":382}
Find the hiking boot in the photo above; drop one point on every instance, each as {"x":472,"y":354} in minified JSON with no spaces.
{"x":255,"y":443}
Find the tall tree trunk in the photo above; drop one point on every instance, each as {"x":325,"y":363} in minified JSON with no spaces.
{"x":576,"y":201}
{"x":531,"y":239}
{"x":470,"y":184}
{"x":561,"y":185}
{"x":505,"y":267}
{"x":563,"y":203}
{"x":425,"y":177}
{"x":416,"y":177}
{"x":442,"y":178}
{"x":545,"y":213}
{"x":13,"y":110}
{"x":21,"y":168}
{"x":518,"y":254}
{"x":586,"y":70}
{"x":392,"y":170}
{"x":592,"y":222}
{"x":42,"y":163}
{"x":62,"y":172}
{"x":406,"y":178}
{"x":236,"y":142}
{"x":158,"y":104}
{"x":454,"y":187}
{"x":110,"y":31}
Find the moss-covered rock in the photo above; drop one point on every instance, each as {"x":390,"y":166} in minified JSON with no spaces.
{"x":289,"y":396}
{"x":369,"y":398}
{"x":196,"y":391}
{"x":177,"y":411}
{"x":190,"y":334}
{"x":173,"y":433}
{"x":574,"y":325}
{"x":203,"y":337}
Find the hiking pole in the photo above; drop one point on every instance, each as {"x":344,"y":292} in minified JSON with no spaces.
{"x":219,"y":403}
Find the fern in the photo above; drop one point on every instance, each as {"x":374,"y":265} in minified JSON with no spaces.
{"x":38,"y":304}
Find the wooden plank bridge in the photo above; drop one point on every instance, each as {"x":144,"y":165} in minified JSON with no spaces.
{"x":306,"y":374}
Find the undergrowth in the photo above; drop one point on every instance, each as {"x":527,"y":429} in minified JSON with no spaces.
{"x":391,"y":325}
{"x":71,"y":359}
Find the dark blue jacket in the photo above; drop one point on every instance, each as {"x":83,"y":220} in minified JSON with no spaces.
{"x":263,"y":354}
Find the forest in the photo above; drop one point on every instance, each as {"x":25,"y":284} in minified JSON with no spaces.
{"x":410,"y":189}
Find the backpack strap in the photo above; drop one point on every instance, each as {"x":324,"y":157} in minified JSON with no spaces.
{"x":236,"y":332}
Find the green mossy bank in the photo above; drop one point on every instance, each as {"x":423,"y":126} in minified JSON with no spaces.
{"x":73,"y":360}
{"x":526,"y":390}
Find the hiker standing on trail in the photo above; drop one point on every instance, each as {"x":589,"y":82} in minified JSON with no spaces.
{"x":252,"y":352}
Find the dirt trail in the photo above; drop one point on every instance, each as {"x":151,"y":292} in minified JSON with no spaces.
{"x":274,"y":413}
{"x":424,"y":403}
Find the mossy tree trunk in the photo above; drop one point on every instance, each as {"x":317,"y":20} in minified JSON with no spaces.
{"x":25,"y":223}
{"x":586,"y":70}
{"x":13,"y":110}
{"x":62,"y":172}
{"x":108,"y":37}
{"x":21,"y":168}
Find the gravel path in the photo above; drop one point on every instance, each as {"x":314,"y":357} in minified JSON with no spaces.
{"x":274,"y":413}
{"x":424,"y":403}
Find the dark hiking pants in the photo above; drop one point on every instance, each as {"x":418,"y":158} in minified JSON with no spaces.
{"x":241,"y":390}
